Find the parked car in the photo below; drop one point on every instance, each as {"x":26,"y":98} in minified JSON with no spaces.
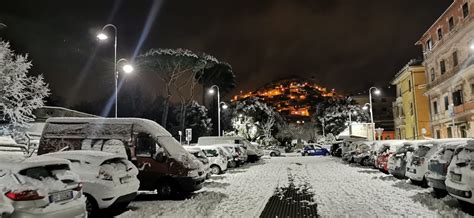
{"x":438,"y":167}
{"x":108,"y":180}
{"x":8,"y":145}
{"x":417,"y":164}
{"x":348,"y":151}
{"x":398,"y":160}
{"x":385,"y":151}
{"x":40,"y":187}
{"x":254,"y":153}
{"x":314,"y":150}
{"x":362,"y":153}
{"x":164,"y":165}
{"x":237,"y":154}
{"x":273,"y":151}
{"x":336,"y":149}
{"x":460,"y":177}
{"x":376,"y":147}
{"x":199,"y":154}
{"x":217,"y":158}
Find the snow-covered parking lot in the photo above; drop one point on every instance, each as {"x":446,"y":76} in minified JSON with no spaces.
{"x":338,"y":190}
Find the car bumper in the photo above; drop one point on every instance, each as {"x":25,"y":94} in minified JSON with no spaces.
{"x":436,"y":182}
{"x":108,"y":194}
{"x":415,"y":173}
{"x":75,"y":208}
{"x":190,"y":184}
{"x":397,"y":172}
{"x":460,"y":191}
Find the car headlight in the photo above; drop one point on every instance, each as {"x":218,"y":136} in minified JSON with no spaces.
{"x":193,"y":173}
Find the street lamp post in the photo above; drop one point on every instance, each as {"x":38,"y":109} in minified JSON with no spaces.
{"x":351,"y":111}
{"x":211,"y":91}
{"x":102,"y":36}
{"x":377,"y":92}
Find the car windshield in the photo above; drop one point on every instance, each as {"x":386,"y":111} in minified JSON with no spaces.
{"x":422,"y":151}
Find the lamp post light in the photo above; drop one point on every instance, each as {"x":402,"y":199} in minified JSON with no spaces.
{"x":377,"y":92}
{"x":351,"y":111}
{"x":211,"y":91}
{"x":102,"y":37}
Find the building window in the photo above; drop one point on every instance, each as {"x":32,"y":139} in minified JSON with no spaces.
{"x":455,"y":58}
{"x":465,"y":10}
{"x":429,"y":44}
{"x":450,"y":133}
{"x":411,"y":108}
{"x":446,"y":103}
{"x":442,"y":66}
{"x":472,"y":88}
{"x":435,"y":107}
{"x":409,"y":85}
{"x":457,"y":97}
{"x":440,"y":34}
{"x":438,"y":134}
{"x":463,"y":131}
{"x":451,"y":23}
{"x":433,"y":74}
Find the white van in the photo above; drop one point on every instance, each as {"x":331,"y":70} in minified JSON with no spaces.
{"x":254,"y":152}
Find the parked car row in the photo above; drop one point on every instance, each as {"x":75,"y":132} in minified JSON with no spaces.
{"x":446,"y":165}
{"x":87,"y":164}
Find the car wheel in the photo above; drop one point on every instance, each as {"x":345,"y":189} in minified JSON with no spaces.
{"x":91,"y":205}
{"x":424,"y":183}
{"x":165,"y":189}
{"x":215,"y":170}
{"x":439,"y":193}
{"x":272,"y":154}
{"x":232,"y":164}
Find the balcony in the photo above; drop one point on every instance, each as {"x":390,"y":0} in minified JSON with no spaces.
{"x":464,"y":108}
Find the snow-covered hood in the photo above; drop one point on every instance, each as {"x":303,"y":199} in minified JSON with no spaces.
{"x":17,"y":163}
{"x":93,"y":157}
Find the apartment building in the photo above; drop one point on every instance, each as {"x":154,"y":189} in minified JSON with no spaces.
{"x":448,"y":60}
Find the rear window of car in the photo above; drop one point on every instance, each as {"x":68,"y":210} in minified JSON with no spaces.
{"x":114,"y":161}
{"x":43,"y":172}
{"x":422,"y":151}
{"x":210,"y":152}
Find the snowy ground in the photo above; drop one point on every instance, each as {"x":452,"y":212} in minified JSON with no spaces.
{"x":339,"y":190}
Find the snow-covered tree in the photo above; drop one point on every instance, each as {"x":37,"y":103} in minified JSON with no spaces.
{"x":336,"y":117}
{"x":196,"y":118}
{"x":20,"y":93}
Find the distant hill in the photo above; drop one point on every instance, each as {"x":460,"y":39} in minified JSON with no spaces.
{"x":294,"y":99}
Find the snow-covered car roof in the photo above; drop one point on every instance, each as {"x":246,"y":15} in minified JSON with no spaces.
{"x":192,"y":148}
{"x":149,"y":126}
{"x":16,"y":163}
{"x":452,"y":145}
{"x":7,"y":140}
{"x":94,"y":157}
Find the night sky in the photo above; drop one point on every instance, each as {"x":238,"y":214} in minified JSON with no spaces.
{"x":342,"y":44}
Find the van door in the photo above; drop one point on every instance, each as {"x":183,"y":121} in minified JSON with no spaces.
{"x":151,"y":167}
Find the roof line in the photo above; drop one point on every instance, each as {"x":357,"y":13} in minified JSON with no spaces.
{"x":432,"y":25}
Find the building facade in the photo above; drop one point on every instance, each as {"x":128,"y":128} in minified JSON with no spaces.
{"x":448,"y":61}
{"x":411,"y":108}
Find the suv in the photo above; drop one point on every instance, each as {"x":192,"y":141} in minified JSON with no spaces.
{"x":109,"y":181}
{"x":398,"y":160}
{"x":460,"y":177}
{"x":438,"y":167}
{"x":164,"y":165}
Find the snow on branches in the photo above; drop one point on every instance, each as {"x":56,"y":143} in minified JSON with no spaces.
{"x":20,"y":93}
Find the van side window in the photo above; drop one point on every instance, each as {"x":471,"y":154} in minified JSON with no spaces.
{"x":145,"y":145}
{"x":236,"y":141}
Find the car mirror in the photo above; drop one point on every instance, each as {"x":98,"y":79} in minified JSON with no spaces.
{"x":160,"y":157}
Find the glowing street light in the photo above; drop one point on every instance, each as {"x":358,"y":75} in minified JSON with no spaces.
{"x":224,"y":106}
{"x":127,"y":68}
{"x":211,"y":91}
{"x":472,"y":46}
{"x":102,"y":36}
{"x":377,"y":92}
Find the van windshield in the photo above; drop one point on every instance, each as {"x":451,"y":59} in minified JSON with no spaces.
{"x":422,"y":151}
{"x":172,"y":146}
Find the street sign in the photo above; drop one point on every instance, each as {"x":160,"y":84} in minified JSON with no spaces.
{"x":189,"y":135}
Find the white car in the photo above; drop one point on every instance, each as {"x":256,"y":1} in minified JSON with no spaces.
{"x":217,"y":158}
{"x":460,"y":176}
{"x":8,"y":145}
{"x":201,"y":156}
{"x":109,"y":180}
{"x":417,"y":163}
{"x":254,"y":152}
{"x":41,"y":187}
